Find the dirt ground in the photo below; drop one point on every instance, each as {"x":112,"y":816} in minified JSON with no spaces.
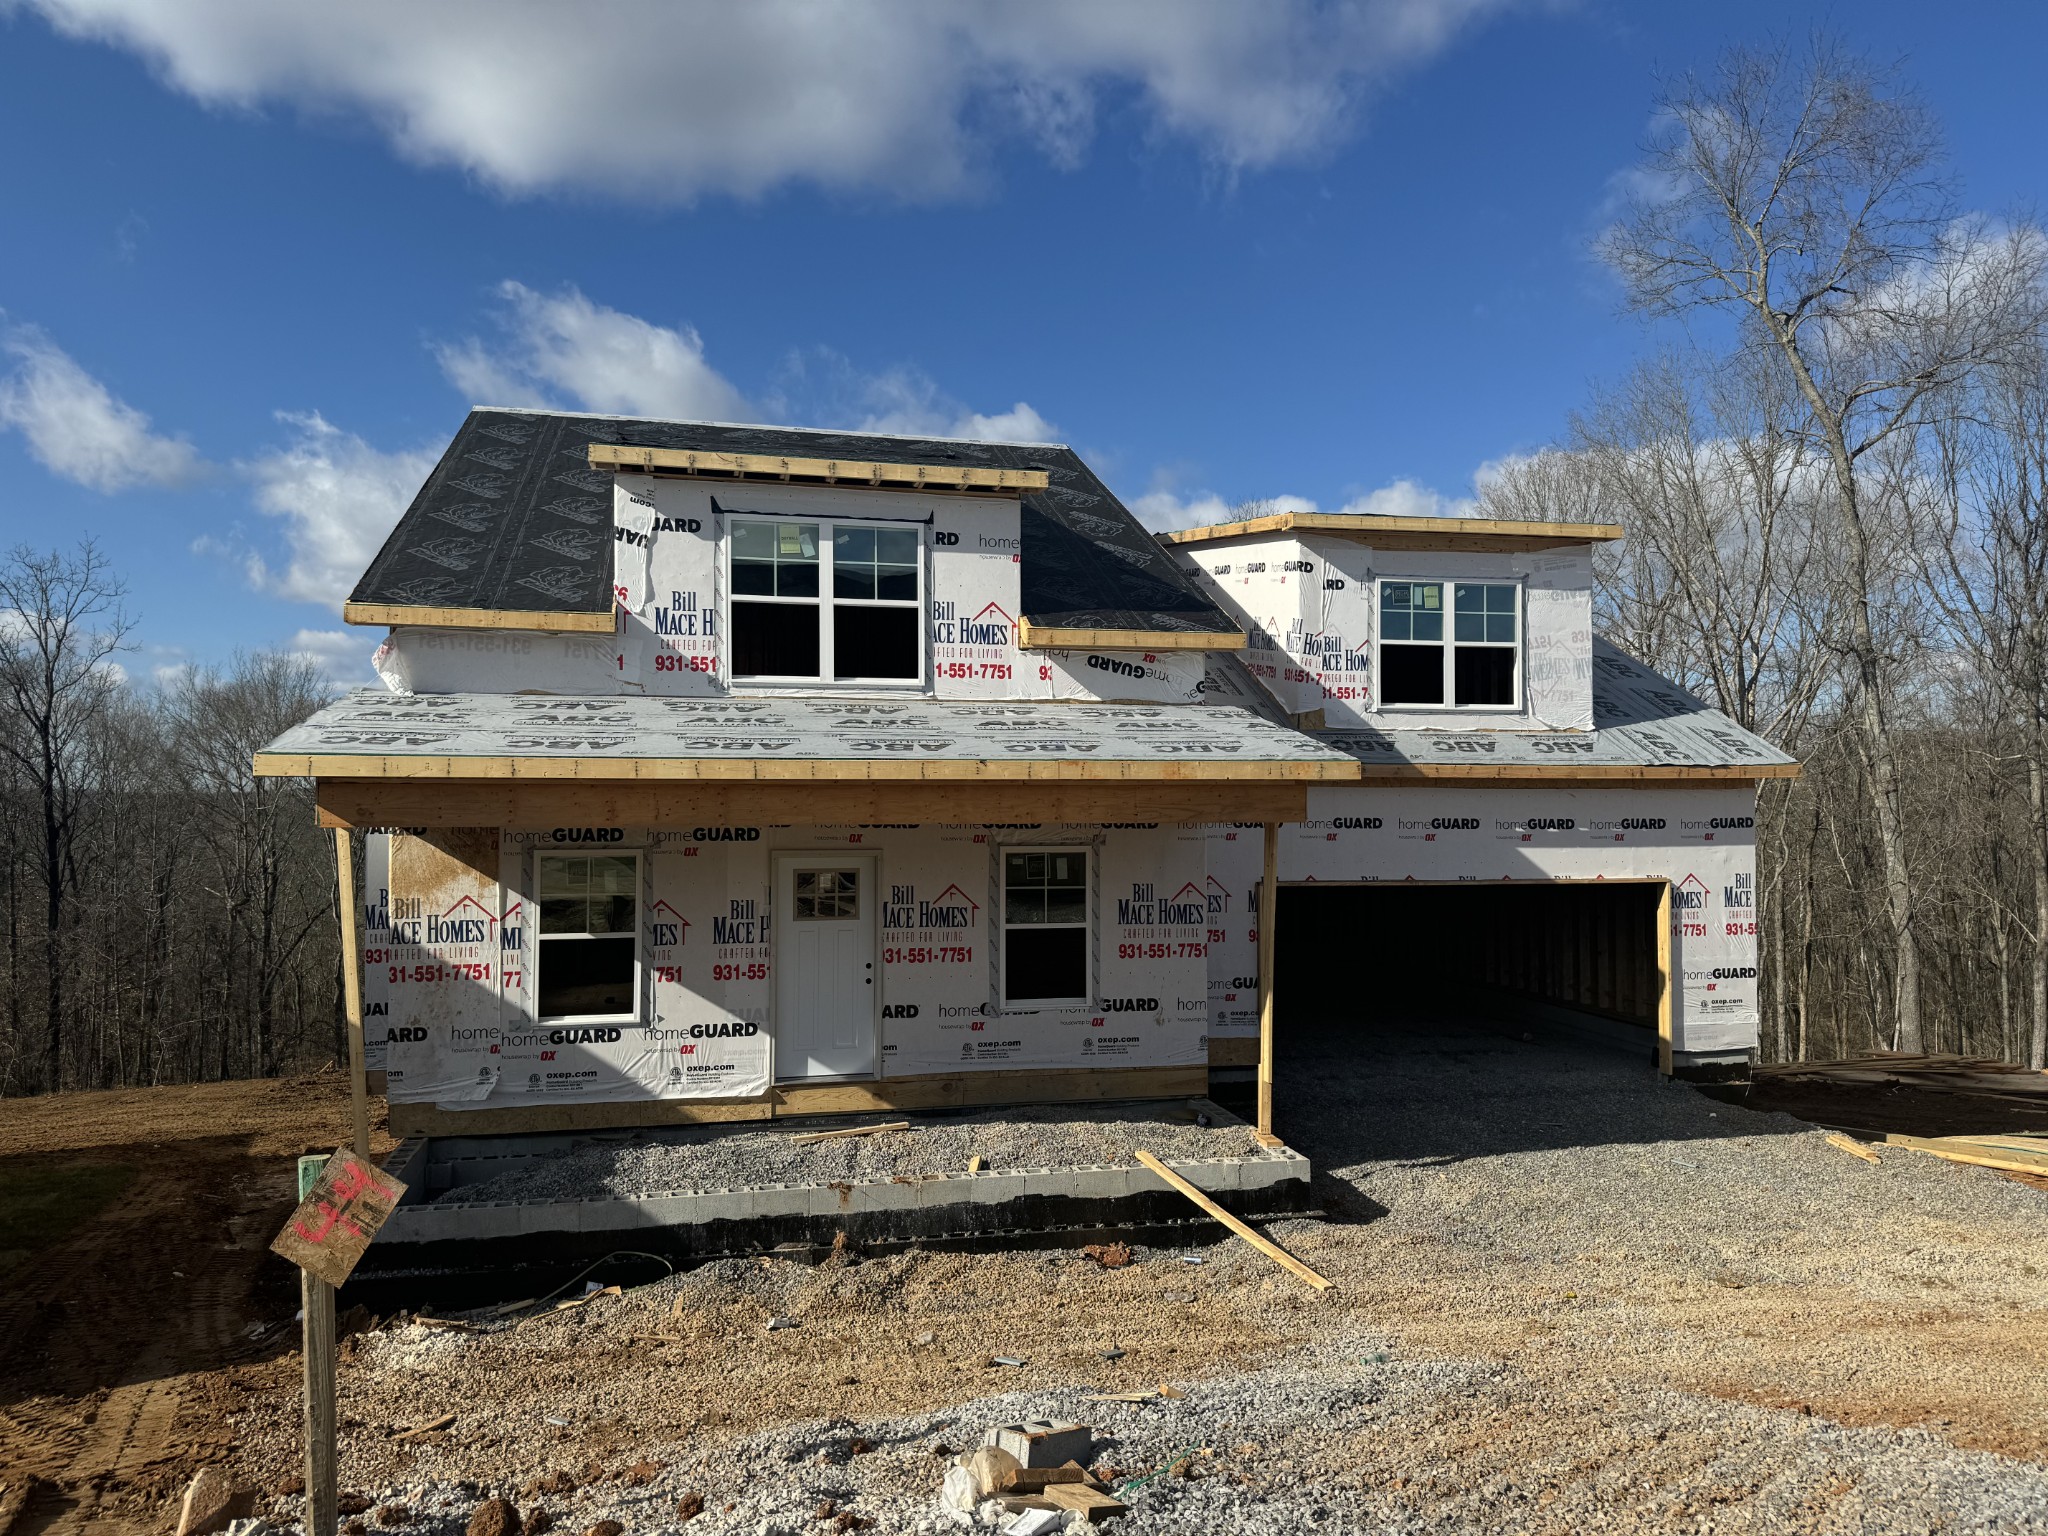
{"x":1596,"y":1244}
{"x":126,"y":1345}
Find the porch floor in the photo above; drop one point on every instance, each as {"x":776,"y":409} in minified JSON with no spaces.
{"x":487,"y":1203}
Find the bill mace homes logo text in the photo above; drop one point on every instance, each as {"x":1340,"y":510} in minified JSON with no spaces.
{"x":1187,"y":907}
{"x":742,"y":925}
{"x":951,"y":908}
{"x":668,"y":932}
{"x":990,"y":627}
{"x":468,"y":921}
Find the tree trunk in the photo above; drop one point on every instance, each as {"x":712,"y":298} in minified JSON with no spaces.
{"x":1877,"y":744}
{"x":2037,"y":806}
{"x":53,"y":952}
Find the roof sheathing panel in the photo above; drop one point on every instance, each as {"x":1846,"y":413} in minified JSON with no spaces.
{"x":372,"y":734}
{"x":1407,"y":532}
{"x":1644,"y":726}
{"x":514,"y":517}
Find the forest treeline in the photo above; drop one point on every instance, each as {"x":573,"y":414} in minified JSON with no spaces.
{"x":1833,"y":474}
{"x":168,"y":916}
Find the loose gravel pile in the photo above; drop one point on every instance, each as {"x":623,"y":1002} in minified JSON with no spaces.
{"x":1339,"y":1437}
{"x":729,"y":1157}
{"x":1570,"y":1297}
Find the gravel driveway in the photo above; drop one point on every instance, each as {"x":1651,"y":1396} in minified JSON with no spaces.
{"x":1570,"y":1297}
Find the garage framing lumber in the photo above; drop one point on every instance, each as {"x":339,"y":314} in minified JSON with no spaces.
{"x":1053,"y":637}
{"x":352,"y":989}
{"x":375,"y":803}
{"x":1665,"y":990}
{"x":546,"y":621}
{"x":1486,"y":533}
{"x":1269,"y":911}
{"x":851,"y":472}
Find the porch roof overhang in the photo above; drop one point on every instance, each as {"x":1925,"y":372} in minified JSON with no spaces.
{"x":510,"y":760}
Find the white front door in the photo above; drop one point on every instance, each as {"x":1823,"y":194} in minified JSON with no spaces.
{"x":826,"y":991}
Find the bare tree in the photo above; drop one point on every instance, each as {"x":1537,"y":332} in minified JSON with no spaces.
{"x":263,"y":862}
{"x":1806,"y":195}
{"x":1980,"y":498}
{"x":60,"y":628}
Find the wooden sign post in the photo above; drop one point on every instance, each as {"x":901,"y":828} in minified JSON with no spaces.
{"x":343,"y":1200}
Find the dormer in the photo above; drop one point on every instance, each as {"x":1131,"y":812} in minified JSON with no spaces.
{"x":564,"y":554}
{"x":1410,"y":622}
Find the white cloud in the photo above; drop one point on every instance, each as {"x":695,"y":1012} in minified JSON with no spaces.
{"x":1163,"y":509}
{"x":76,"y":427}
{"x":341,"y":655}
{"x":670,"y":101}
{"x":338,"y":497}
{"x":823,"y":387}
{"x":562,"y":348}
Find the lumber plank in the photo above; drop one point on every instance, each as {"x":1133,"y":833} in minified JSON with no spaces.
{"x":1851,"y":1145}
{"x":1269,"y":905}
{"x":1094,"y":1505}
{"x":1233,"y":1051}
{"x":1053,"y":637}
{"x":352,"y":992}
{"x":770,"y":466}
{"x":547,"y":621}
{"x":1265,"y":1245}
{"x":1666,"y":990}
{"x":851,"y":1130}
{"x":2009,"y":1162}
{"x":359,"y":802}
{"x":1448,"y":532}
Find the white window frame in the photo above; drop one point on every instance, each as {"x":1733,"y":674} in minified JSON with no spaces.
{"x":824,"y":603}
{"x":541,"y":939}
{"x":1449,"y":645}
{"x":1003,"y":926}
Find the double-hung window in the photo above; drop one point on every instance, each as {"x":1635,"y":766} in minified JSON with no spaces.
{"x":1455,"y":644}
{"x":1045,"y":926}
{"x":827,"y":601}
{"x":589,"y":961}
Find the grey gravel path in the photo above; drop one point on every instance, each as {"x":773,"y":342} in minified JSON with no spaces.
{"x":1570,"y":1298}
{"x":1343,"y":1437}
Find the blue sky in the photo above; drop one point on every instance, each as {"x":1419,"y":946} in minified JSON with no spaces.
{"x":256,"y":258}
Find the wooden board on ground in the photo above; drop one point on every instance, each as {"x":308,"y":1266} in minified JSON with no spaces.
{"x":1851,"y":1145}
{"x":1265,"y":1245}
{"x":851,"y":1130}
{"x":1956,"y":1149}
{"x":327,"y":1234}
{"x":1094,"y":1505}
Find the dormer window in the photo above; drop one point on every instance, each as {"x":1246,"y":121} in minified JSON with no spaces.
{"x":1450,"y":645}
{"x":826,"y":602}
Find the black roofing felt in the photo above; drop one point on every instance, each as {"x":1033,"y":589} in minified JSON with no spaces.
{"x":513,"y":517}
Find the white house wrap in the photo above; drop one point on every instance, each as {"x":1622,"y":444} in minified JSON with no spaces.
{"x":739,"y":770}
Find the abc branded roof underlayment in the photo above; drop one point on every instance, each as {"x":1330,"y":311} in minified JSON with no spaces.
{"x":479,"y":732}
{"x":1641,"y":720}
{"x":515,"y":519}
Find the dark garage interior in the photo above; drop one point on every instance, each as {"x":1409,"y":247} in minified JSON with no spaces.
{"x":1353,"y":954}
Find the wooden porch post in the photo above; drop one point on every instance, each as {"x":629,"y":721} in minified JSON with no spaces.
{"x":1665,"y":989}
{"x":1269,"y":911}
{"x":352,"y":991}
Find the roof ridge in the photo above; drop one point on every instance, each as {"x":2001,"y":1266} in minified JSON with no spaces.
{"x":769,"y":426}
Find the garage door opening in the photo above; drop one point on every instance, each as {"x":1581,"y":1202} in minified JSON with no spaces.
{"x":1354,"y":955}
